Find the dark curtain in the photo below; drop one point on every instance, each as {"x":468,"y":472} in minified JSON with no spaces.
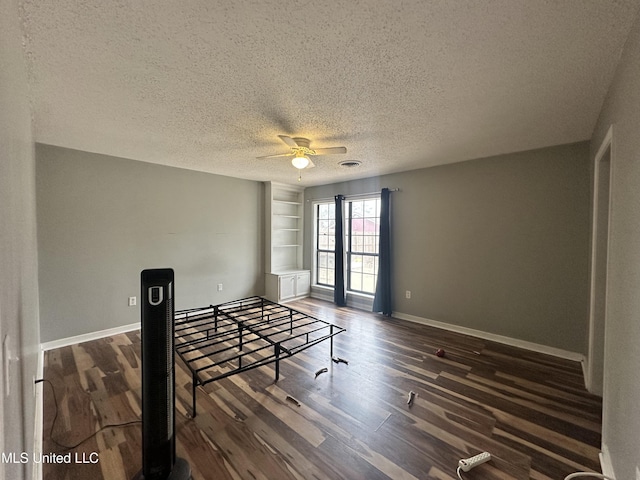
{"x":338,"y":291}
{"x":382,"y":299}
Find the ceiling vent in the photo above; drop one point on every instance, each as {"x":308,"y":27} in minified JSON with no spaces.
{"x":350,"y":163}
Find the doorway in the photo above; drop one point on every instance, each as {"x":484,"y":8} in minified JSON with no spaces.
{"x":599,"y":264}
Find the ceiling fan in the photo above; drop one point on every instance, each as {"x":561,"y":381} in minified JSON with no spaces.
{"x":300,"y":151}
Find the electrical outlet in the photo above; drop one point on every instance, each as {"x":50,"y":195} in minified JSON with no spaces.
{"x":219,"y":287}
{"x":133,"y":301}
{"x":407,"y":294}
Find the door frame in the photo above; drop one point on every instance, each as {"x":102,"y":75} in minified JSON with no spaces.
{"x":594,"y":378}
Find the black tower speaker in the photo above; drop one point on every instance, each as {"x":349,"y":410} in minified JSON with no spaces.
{"x":158,"y":383}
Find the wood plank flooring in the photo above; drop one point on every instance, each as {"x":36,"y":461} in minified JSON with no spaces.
{"x":529,"y":410}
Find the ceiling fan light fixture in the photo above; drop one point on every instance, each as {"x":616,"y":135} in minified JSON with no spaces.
{"x":300,"y":162}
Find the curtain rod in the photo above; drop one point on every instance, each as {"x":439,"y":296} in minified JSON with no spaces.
{"x":355,"y":195}
{"x":371,"y":193}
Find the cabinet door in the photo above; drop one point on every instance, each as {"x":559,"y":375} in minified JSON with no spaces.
{"x":303,"y":284}
{"x":287,"y":286}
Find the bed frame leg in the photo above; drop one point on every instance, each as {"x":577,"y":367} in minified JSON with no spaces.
{"x":331,"y":340}
{"x":277,"y":354}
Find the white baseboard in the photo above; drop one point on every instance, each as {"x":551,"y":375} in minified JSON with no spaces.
{"x":87,"y":337}
{"x":585,"y":374}
{"x":514,"y":342}
{"x":323,"y":293}
{"x":63,"y":342}
{"x":605,"y":462}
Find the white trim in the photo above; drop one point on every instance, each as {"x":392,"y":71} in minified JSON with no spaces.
{"x":585,"y":369}
{"x":39,"y":399}
{"x":322,"y":293}
{"x":514,"y":342}
{"x":357,"y":300}
{"x":39,"y":418}
{"x":608,"y":140}
{"x":323,"y":201}
{"x":360,"y":301}
{"x":87,"y":337}
{"x":596,"y":385}
{"x":605,"y":462}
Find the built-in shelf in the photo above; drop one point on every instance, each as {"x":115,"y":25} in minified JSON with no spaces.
{"x":285,"y":279}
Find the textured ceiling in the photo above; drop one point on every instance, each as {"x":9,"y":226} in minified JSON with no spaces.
{"x":209,"y":84}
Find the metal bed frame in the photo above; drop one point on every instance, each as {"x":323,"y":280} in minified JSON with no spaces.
{"x":218,"y":341}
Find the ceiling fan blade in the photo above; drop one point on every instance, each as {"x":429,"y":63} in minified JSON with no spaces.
{"x":288,"y":140}
{"x":330,"y":150}
{"x":276,"y":156}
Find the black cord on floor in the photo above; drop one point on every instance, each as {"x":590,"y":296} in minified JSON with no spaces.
{"x":55,"y":417}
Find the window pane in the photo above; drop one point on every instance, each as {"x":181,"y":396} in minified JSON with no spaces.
{"x":369,"y":226}
{"x":357,"y":225}
{"x":371,"y":208}
{"x":325,"y":268}
{"x":322,"y":275}
{"x":356,"y":282}
{"x":357,"y":209}
{"x":368,"y":283}
{"x":356,"y":243}
{"x":323,"y":210}
{"x":369,"y":265}
{"x":356,"y":263}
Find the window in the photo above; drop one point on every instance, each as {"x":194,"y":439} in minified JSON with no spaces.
{"x":361,"y":226}
{"x":362,"y":220}
{"x":325,"y":243}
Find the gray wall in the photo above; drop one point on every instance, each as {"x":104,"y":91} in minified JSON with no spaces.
{"x":101,"y":220}
{"x":498,"y":244}
{"x":621,"y":413}
{"x":18,"y":254}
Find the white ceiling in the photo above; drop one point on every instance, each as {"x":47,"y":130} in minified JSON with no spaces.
{"x":209,"y":84}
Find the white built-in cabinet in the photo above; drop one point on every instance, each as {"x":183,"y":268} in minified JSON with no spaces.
{"x":285,"y":278}
{"x":289,"y":286}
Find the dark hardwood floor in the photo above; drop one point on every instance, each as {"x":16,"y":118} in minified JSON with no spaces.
{"x":530,"y":411}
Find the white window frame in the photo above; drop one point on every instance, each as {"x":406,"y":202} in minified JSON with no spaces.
{"x":350,"y":293}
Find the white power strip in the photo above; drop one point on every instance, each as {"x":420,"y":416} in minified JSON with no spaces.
{"x":467,"y":464}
